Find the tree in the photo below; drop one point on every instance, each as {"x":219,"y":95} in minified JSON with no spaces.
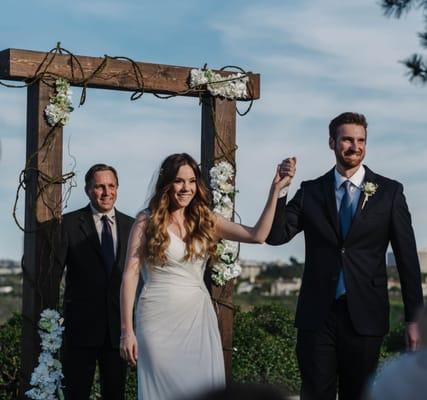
{"x":416,"y":64}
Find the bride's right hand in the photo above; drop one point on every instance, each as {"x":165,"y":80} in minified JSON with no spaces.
{"x":285,"y":173}
{"x":129,"y":348}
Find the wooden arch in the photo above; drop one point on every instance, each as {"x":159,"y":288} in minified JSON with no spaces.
{"x":218,"y":129}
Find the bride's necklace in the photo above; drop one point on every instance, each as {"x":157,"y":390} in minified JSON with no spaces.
{"x":180,"y":227}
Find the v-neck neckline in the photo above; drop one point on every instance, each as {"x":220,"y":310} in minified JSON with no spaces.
{"x":174,"y":234}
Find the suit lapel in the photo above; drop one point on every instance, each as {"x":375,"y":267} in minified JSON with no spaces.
{"x":87,"y":225}
{"x":330,"y":200}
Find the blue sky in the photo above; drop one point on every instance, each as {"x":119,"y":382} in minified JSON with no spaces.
{"x":316,"y":59}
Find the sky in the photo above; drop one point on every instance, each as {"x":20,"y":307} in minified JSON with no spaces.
{"x":317,"y":58}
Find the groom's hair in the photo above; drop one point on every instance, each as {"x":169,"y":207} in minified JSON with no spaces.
{"x":96,"y":168}
{"x":347,"y":118}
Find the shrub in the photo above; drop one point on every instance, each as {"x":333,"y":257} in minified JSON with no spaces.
{"x":10,"y":350}
{"x":264,"y":347}
{"x":394,"y":342}
{"x":263,"y":351}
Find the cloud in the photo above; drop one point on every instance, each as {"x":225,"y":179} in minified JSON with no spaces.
{"x":316,"y":59}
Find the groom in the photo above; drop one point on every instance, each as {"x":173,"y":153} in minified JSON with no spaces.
{"x":349,"y":216}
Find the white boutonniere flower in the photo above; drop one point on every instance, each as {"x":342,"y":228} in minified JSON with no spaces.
{"x":368,"y":189}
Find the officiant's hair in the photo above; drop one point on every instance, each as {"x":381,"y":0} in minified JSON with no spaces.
{"x":347,"y":118}
{"x":200,"y":223}
{"x":97,"y":168}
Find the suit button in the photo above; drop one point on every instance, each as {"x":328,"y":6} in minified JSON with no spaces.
{"x":343,"y":250}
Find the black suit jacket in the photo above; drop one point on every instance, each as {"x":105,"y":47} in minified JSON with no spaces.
{"x":91,"y":299}
{"x":385,"y":218}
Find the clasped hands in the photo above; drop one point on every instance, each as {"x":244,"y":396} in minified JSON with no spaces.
{"x":285,"y":173}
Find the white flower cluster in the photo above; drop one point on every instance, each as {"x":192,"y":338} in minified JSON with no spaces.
{"x":46,"y":377}
{"x":230,"y":87}
{"x":226,"y":267}
{"x":223,"y":191}
{"x":60,"y":106}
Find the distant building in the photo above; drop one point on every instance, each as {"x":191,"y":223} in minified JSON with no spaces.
{"x":9,"y":267}
{"x":422,"y":255}
{"x":250,"y":272}
{"x":6,"y":289}
{"x":251,"y":269}
{"x":282,"y":287}
{"x":244,"y":287}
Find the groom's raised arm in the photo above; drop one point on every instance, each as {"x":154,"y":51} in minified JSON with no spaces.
{"x":288,"y":218}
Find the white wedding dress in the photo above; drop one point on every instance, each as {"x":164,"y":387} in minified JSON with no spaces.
{"x":179,"y":345}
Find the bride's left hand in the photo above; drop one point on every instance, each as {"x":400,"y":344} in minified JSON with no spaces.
{"x":129,"y":348}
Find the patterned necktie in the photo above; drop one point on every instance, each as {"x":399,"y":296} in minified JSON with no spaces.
{"x":345,"y":216}
{"x":107,"y":245}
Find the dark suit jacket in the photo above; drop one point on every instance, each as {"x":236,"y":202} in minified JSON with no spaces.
{"x":91,"y":299}
{"x":385,"y":218}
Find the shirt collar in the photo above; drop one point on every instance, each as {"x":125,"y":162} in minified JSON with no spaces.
{"x":98,"y":215}
{"x":356,"y":179}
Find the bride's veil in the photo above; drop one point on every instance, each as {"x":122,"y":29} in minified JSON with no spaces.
{"x":151,"y":190}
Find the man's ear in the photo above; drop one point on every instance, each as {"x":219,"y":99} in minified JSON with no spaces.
{"x":331,"y":143}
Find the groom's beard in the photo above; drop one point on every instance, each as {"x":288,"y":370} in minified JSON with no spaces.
{"x":351,"y":159}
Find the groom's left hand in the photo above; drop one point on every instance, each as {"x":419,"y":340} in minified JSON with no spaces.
{"x":412,"y":336}
{"x":285,"y":173}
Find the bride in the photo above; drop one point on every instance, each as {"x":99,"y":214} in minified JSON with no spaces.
{"x":176,"y":340}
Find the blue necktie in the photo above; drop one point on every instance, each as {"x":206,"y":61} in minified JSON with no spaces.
{"x":345,"y":216}
{"x":107,"y":245}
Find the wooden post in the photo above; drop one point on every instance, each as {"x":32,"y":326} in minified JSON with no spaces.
{"x":220,"y":114}
{"x":42,"y":201}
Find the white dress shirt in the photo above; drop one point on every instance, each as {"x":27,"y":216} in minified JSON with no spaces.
{"x":111,"y":215}
{"x":355,"y":188}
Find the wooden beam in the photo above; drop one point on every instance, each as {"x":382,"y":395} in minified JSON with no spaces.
{"x":21,"y":65}
{"x":40,"y":279}
{"x":222,"y":115}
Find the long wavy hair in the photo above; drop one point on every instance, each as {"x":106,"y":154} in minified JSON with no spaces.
{"x":199,"y":221}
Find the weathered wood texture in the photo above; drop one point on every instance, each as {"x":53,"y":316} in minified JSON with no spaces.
{"x":40,"y":280}
{"x":118,"y":74}
{"x":222,"y":114}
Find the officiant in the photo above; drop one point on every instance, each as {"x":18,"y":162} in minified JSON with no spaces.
{"x":93,"y":250}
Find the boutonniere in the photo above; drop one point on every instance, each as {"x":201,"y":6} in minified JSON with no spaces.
{"x":368,"y":189}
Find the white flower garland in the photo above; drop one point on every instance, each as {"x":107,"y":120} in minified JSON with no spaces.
{"x":46,"y":377}
{"x":60,"y":106}
{"x":230,"y":87}
{"x":226,"y":268}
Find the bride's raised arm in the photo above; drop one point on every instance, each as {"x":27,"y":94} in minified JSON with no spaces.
{"x":134,"y":261}
{"x":258,"y":233}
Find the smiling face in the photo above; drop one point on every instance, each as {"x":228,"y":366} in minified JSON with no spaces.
{"x":349,"y":146}
{"x":102,"y":191}
{"x":184,"y":187}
